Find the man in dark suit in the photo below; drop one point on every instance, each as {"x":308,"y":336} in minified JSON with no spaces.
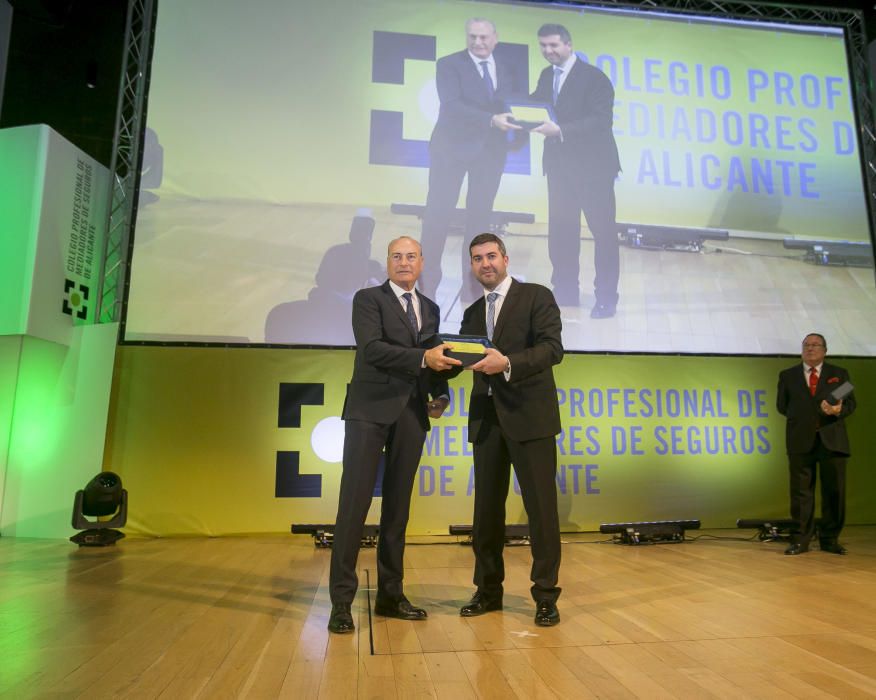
{"x":468,"y":139}
{"x":514,"y":418}
{"x":386,"y":409}
{"x":581,"y":164}
{"x":815,"y":435}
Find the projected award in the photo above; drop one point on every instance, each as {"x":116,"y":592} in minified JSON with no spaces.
{"x":530,"y":115}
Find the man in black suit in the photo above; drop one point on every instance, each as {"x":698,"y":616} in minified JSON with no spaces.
{"x":468,"y":139}
{"x":386,"y":409}
{"x":514,"y":418}
{"x":815,"y":435}
{"x":581,"y":164}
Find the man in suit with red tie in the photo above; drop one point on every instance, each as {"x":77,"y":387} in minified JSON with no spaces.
{"x":468,"y":140}
{"x":387,"y":410}
{"x":581,"y":163}
{"x":816,"y":437}
{"x":514,"y":418}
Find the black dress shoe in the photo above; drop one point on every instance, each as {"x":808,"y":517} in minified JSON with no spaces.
{"x":796,"y":548}
{"x":480,"y":604}
{"x":341,"y":620}
{"x":603,"y":310}
{"x":400,"y":609}
{"x":833,"y":548}
{"x":546,"y":613}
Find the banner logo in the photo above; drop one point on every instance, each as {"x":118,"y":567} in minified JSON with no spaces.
{"x":289,"y":482}
{"x":75,"y":296}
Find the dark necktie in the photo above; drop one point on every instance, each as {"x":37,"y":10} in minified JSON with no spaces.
{"x":488,"y":81}
{"x":491,"y":314}
{"x":557,"y":73}
{"x":412,"y":316}
{"x":813,"y":381}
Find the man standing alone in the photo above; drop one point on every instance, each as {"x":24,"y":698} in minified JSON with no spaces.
{"x":816,"y":437}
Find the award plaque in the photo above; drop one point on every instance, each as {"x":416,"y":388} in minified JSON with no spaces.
{"x":468,"y":349}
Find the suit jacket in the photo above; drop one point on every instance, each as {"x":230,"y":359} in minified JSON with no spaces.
{"x":805,"y":418}
{"x":387,"y":367}
{"x":529,"y":332}
{"x":463,"y":128}
{"x":584,"y":111}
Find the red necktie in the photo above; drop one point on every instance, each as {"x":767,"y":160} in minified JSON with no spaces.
{"x":813,"y":380}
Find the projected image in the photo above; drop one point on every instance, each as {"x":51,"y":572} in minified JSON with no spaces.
{"x":681,"y":184}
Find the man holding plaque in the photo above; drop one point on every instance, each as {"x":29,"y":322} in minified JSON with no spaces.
{"x":581,"y":163}
{"x":387,"y":410}
{"x":514,"y":418}
{"x":816,"y":397}
{"x":469,"y":141}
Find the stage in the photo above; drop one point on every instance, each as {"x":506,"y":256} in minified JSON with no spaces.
{"x":719,"y":615}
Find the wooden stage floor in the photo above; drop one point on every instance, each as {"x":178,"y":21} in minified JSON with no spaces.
{"x":718,"y":616}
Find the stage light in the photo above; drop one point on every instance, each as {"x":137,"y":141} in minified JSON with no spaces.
{"x":678,"y":238}
{"x":844,"y":253}
{"x":771,"y":529}
{"x":652,"y":532}
{"x":102,"y":496}
{"x":514,"y":534}
{"x":324,"y":535}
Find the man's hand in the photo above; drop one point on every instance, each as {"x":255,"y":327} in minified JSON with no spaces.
{"x":549,"y":128}
{"x":436,"y":407}
{"x":829,"y":410}
{"x":494,"y":362}
{"x":500,"y":121}
{"x":438,"y":361}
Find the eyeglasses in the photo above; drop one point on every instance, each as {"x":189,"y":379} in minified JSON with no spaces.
{"x":807,"y":346}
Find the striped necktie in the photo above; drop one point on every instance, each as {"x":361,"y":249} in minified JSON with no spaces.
{"x":557,"y":73}
{"x":488,"y":81}
{"x":491,"y":314}
{"x":412,"y":316}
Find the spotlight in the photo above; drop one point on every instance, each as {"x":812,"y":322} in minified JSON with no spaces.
{"x":649,"y":532}
{"x":514,"y":534}
{"x":774,"y":529}
{"x":846,"y":253}
{"x":678,"y":238}
{"x":102,"y":496}
{"x":324,"y":535}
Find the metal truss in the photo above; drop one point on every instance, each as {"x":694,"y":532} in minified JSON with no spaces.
{"x":126,"y":158}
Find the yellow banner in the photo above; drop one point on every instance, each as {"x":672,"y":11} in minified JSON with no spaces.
{"x":217,"y":441}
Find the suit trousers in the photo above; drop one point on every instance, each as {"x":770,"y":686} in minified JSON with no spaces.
{"x":802,"y":470}
{"x":364,"y":443}
{"x":446,"y":173}
{"x":535,"y":464}
{"x":568,"y":196}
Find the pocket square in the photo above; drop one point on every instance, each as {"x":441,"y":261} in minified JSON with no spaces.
{"x":833,"y":380}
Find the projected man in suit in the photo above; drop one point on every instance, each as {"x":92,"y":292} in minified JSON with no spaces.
{"x":815,"y":436}
{"x":513,"y":419}
{"x":386,"y":409}
{"x":469,"y":139}
{"x":581,"y":163}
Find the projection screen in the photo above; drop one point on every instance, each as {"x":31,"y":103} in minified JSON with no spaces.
{"x":287,"y":146}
